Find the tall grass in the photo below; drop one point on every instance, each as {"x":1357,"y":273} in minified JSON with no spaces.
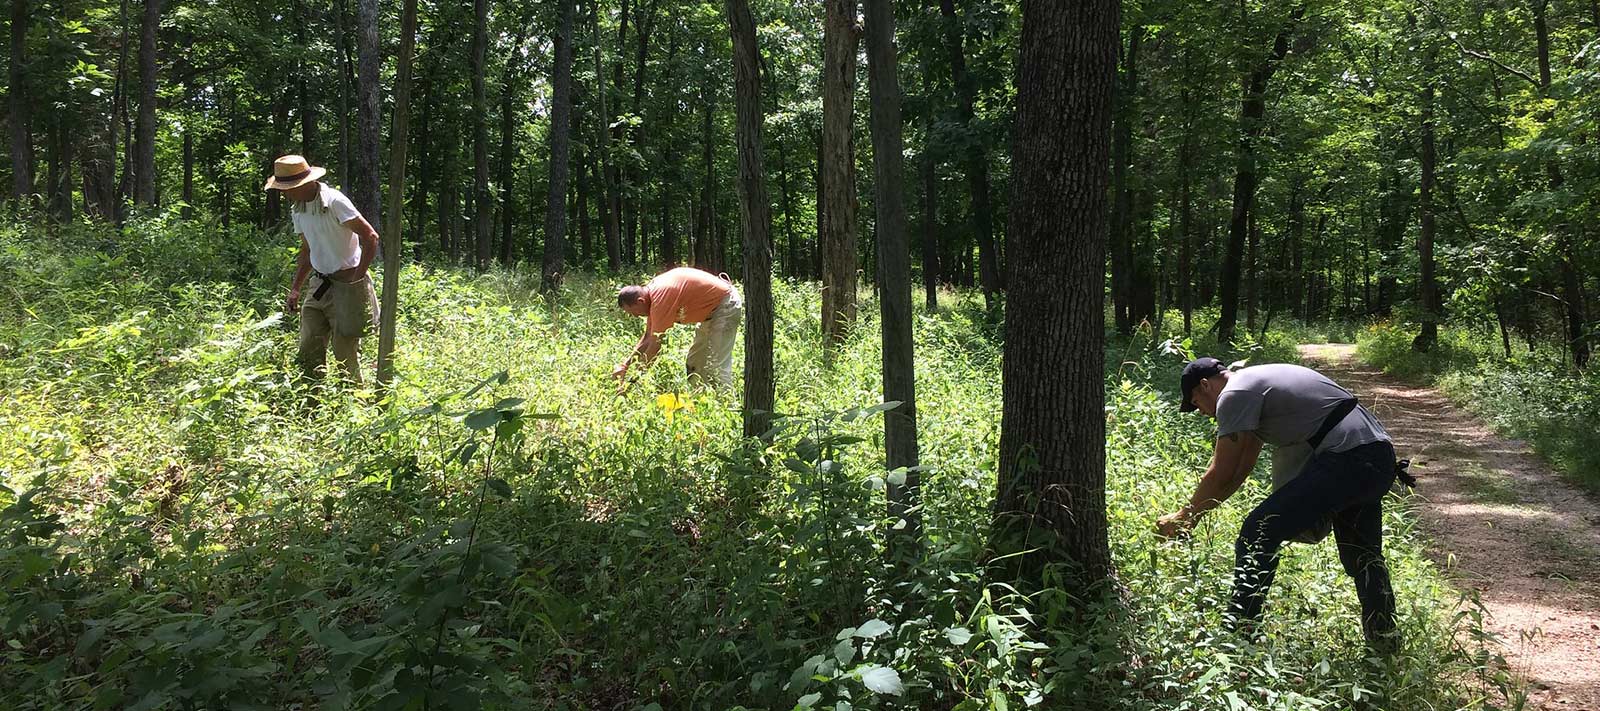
{"x":185,"y":528}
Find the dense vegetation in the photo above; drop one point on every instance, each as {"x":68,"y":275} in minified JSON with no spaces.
{"x":187,"y":527}
{"x":1091,"y":191}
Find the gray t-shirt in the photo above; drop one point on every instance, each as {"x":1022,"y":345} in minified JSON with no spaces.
{"x":1284,"y":405}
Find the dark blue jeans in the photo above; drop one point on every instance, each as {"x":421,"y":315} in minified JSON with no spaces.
{"x":1350,"y":487}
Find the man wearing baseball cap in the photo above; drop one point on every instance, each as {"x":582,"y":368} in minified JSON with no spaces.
{"x":1332,"y":464}
{"x":337,"y":244}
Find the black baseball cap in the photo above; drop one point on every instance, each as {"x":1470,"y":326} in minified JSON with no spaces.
{"x":1195,"y":371}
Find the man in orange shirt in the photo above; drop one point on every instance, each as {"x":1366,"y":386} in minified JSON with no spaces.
{"x":686,"y":295}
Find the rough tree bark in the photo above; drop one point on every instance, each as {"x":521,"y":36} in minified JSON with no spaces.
{"x":755,"y":220}
{"x":369,"y":60}
{"x":555,"y":216}
{"x":894,"y":270}
{"x":1051,"y":493}
{"x":840,"y":37}
{"x":144,"y":152}
{"x":401,"y":133}
{"x":20,"y":104}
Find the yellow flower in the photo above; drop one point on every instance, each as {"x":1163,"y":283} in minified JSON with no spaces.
{"x":671,"y":403}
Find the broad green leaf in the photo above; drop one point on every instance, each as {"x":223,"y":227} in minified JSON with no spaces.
{"x":882,"y":680}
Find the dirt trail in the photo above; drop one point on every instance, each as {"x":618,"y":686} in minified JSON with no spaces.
{"x":1503,"y":523}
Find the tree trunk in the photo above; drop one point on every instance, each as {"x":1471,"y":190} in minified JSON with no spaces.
{"x":188,"y":173}
{"x":20,"y":104}
{"x":58,"y":183}
{"x":508,"y":154}
{"x":1252,"y":119}
{"x":608,"y":220}
{"x":755,"y":221}
{"x":144,"y":159}
{"x":481,"y":212}
{"x":838,"y":206}
{"x":585,"y":233}
{"x":303,"y":80}
{"x":400,"y":137}
{"x":370,"y":60}
{"x":1571,"y":278}
{"x":706,"y":257}
{"x":555,"y":216}
{"x":930,"y":231}
{"x":614,"y":171}
{"x":1430,"y":288}
{"x":894,"y":274}
{"x":790,"y":240}
{"x":1051,"y":493}
{"x":345,"y":80}
{"x":1252,"y":271}
{"x":1186,"y":226}
{"x":975,"y":162}
{"x":1122,"y":209}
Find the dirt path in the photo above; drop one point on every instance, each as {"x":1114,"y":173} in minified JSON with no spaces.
{"x":1503,"y":523}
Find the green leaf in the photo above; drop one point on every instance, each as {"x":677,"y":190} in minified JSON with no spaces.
{"x":882,"y":680}
{"x":482,"y":419}
{"x":499,"y":486}
{"x":872,"y":629}
{"x":958,"y":635}
{"x":808,"y":701}
{"x":844,"y":651}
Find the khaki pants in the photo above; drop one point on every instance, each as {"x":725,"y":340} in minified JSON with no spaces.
{"x":343,"y":315}
{"x":711,"y":354}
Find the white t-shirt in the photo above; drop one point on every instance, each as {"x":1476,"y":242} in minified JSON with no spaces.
{"x":321,"y":220}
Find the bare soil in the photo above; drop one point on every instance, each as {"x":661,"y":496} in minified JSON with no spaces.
{"x":1502,"y":522}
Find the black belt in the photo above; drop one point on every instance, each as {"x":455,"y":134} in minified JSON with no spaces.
{"x":322,"y":288}
{"x":1333,"y":419}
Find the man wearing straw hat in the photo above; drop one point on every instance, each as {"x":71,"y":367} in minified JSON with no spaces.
{"x":337,"y":244}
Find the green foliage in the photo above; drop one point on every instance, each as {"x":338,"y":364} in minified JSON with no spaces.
{"x":187,"y":526}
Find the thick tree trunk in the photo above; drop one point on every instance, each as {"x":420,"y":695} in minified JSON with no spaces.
{"x":1122,"y":209}
{"x":1252,"y":119}
{"x":144,"y":159}
{"x":838,"y":206}
{"x":366,"y":196}
{"x":1051,"y":493}
{"x":894,"y":273}
{"x":555,"y":217}
{"x":755,"y":220}
{"x":400,"y":135}
{"x":20,"y":104}
{"x":975,"y":161}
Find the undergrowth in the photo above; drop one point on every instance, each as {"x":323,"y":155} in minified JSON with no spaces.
{"x":185,"y":528}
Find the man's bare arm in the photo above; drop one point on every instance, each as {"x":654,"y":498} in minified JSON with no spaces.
{"x":1231,"y":462}
{"x":301,"y":271}
{"x":369,"y":242}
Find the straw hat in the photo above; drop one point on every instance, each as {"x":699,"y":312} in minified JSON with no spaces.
{"x":292,"y":172}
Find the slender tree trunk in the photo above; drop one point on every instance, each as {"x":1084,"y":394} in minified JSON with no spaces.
{"x":400,"y":137}
{"x":1122,"y":209}
{"x":1573,"y":301}
{"x":303,"y":82}
{"x":1252,"y":119}
{"x":1430,"y":288}
{"x":508,"y":154}
{"x":585,"y":233}
{"x":614,"y":170}
{"x":346,"y":78}
{"x":144,"y":161}
{"x":58,"y":172}
{"x":1252,"y":272}
{"x":424,"y":172}
{"x":188,"y":173}
{"x":481,"y":210}
{"x":366,"y":195}
{"x":608,"y":218}
{"x":789,"y":238}
{"x":555,"y":216}
{"x":272,"y":212}
{"x":120,"y":122}
{"x":838,"y":206}
{"x":755,"y":220}
{"x":1186,"y":227}
{"x":894,"y":272}
{"x":975,"y":162}
{"x":20,"y":104}
{"x":706,"y":257}
{"x":1051,"y":494}
{"x":930,"y":231}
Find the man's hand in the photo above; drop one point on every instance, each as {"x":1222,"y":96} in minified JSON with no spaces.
{"x":621,"y":371}
{"x":1175,"y":524}
{"x":292,"y":304}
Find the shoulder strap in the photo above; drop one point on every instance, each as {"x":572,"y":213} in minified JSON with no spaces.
{"x":1333,"y":419}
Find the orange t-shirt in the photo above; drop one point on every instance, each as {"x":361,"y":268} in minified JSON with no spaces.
{"x":683,"y":295}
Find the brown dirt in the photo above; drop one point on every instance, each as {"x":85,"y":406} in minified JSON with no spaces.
{"x":1502,"y":523}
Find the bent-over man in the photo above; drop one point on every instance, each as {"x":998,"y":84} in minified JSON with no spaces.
{"x":337,"y":245}
{"x":1332,"y":463}
{"x":686,"y":295}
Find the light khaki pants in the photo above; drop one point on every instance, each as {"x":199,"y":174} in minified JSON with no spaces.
{"x":711,"y":354}
{"x":342,"y":316}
